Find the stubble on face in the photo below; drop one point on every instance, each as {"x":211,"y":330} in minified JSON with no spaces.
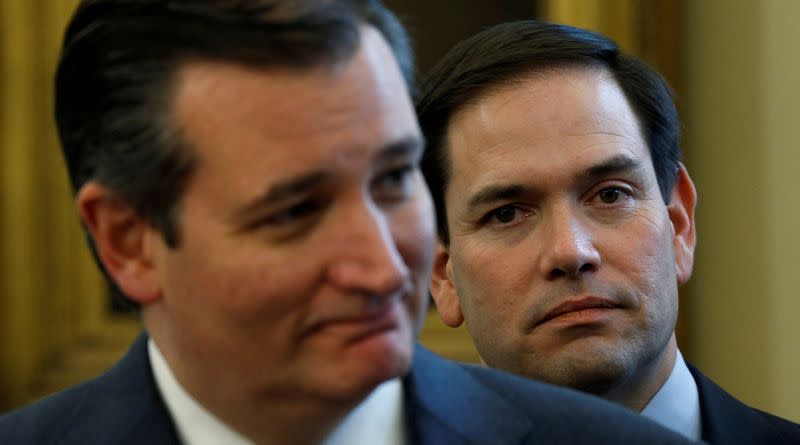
{"x":240,"y":289}
{"x":539,"y":135}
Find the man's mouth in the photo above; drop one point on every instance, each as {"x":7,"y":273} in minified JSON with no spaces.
{"x":358,"y":325}
{"x":580,"y":309}
{"x":376,"y":323}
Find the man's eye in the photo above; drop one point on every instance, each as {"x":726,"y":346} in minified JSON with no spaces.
{"x":505,"y":214}
{"x":610,"y":195}
{"x":397,"y":176}
{"x":292,"y":214}
{"x":395,"y":183}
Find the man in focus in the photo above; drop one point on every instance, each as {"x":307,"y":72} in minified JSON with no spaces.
{"x":566,"y":223}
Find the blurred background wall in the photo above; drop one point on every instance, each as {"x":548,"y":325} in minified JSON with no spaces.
{"x":733,"y":63}
{"x":50,"y":293}
{"x":742,"y":66}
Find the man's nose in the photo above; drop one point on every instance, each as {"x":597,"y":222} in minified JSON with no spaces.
{"x":569,"y":249}
{"x":367,"y":260}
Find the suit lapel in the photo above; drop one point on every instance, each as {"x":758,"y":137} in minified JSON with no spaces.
{"x":441,"y":401}
{"x":125,"y":406}
{"x":727,"y":420}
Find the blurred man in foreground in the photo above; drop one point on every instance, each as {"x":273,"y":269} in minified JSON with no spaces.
{"x":248,"y":173}
{"x":566,"y":223}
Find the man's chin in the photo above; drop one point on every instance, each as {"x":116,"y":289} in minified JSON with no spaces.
{"x":599,"y":383}
{"x":592,"y":365}
{"x":365,"y":365}
{"x":385,"y":356}
{"x":595,"y":375}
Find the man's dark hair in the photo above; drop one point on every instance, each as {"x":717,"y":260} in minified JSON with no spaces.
{"x":118,"y":65}
{"x":511,"y":52}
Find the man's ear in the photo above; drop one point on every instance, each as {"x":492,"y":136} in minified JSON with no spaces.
{"x":443,"y":289}
{"x":681,"y":214}
{"x":123,"y":240}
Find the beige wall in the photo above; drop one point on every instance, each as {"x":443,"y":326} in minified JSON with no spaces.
{"x":742,"y":66}
{"x":782,"y":118}
{"x":51,"y":294}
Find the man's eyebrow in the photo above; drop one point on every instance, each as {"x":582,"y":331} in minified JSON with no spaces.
{"x":504,"y":192}
{"x":285,"y":190}
{"x":617,"y":164}
{"x":407,"y":146}
{"x":494,"y":193}
{"x":282,"y":191}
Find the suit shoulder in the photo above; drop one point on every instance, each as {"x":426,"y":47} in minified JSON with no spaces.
{"x":121,"y":406}
{"x":728,"y":420}
{"x":44,"y":421}
{"x":787,"y":429}
{"x":492,"y":400}
{"x":569,"y":416}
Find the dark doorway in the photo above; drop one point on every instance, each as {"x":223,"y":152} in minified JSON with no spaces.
{"x":435,"y":26}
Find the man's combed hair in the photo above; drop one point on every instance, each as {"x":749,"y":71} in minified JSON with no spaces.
{"x":511,"y":52}
{"x":119,"y":62}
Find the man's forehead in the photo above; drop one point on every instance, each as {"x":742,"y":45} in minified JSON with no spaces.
{"x":562,"y":122}
{"x":567,"y":101}
{"x":291,"y":122}
{"x":218,"y":88}
{"x":203,"y":85}
{"x":542,"y":91}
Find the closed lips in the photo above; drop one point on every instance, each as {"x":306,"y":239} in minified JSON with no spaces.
{"x":579,"y":305}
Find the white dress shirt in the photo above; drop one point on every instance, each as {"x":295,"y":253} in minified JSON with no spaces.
{"x":676,"y":405}
{"x":379,"y":419}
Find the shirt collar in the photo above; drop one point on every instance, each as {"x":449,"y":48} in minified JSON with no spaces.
{"x":379,"y":419}
{"x":676,"y":405}
{"x":195,"y":424}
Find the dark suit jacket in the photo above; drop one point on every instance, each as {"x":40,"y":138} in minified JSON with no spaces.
{"x":447,"y":403}
{"x":729,"y":421}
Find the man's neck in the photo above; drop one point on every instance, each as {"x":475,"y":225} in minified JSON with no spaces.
{"x":638,"y":389}
{"x":676,"y":405}
{"x":264,"y":419}
{"x":290,"y":422}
